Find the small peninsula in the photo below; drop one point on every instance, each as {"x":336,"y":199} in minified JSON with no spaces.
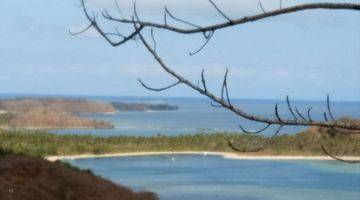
{"x":51,"y":113}
{"x":305,"y":143}
{"x":121,"y":106}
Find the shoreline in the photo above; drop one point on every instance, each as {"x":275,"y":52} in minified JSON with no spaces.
{"x":49,"y":128}
{"x":226,"y":155}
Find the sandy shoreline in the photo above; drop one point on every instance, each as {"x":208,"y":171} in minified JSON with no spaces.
{"x":227,"y":155}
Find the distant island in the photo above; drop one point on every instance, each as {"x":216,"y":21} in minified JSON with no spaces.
{"x":61,"y":113}
{"x":142,"y":106}
{"x":51,"y":113}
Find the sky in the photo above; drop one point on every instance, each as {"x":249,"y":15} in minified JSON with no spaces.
{"x":306,"y":55}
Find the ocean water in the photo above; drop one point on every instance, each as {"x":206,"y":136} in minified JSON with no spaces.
{"x":196,"y":115}
{"x":196,"y":177}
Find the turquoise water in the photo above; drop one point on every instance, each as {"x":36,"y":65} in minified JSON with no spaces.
{"x":195,"y":177}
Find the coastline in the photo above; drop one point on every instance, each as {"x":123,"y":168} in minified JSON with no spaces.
{"x":49,"y":128}
{"x":226,"y":155}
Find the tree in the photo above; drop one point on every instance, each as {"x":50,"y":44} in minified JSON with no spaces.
{"x":139,"y":26}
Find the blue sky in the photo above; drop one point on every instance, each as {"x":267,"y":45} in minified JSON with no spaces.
{"x":306,"y":55}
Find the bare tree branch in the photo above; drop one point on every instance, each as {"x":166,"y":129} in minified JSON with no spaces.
{"x":95,"y":25}
{"x":309,"y":115}
{"x":256,"y":149}
{"x":328,"y":107}
{"x":208,"y":32}
{"x":254,"y":132}
{"x":158,"y":89}
{"x":236,"y":110}
{"x":290,"y":108}
{"x":220,"y":11}
{"x":300,"y":115}
{"x":207,"y":39}
{"x":336,"y":157}
{"x":235,"y":22}
{"x":82,"y":31}
{"x":262,"y":8}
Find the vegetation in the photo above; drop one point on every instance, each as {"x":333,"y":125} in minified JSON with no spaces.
{"x":306,"y":143}
{"x":55,"y":104}
{"x":31,"y":178}
{"x":5,"y":118}
{"x":142,"y":106}
{"x":46,"y":113}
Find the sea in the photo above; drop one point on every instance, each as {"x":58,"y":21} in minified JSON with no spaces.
{"x":196,"y":115}
{"x":198,"y":177}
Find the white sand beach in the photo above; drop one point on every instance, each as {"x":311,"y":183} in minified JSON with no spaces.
{"x":227,"y":155}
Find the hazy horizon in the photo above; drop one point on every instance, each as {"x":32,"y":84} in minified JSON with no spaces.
{"x":29,"y":95}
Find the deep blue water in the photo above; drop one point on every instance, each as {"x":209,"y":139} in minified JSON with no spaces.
{"x":195,"y":177}
{"x":196,"y":115}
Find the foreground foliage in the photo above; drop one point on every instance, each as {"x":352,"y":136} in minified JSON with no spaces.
{"x":31,"y":178}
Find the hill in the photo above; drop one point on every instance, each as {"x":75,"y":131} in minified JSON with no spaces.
{"x":31,"y":178}
{"x":51,"y":113}
{"x":56,"y":104}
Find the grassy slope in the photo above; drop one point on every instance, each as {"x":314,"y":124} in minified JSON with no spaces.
{"x":44,"y":144}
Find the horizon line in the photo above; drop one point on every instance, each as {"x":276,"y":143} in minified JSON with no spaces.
{"x":169,"y":97}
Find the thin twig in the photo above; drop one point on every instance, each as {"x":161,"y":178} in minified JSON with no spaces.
{"x":219,"y":11}
{"x":207,"y":39}
{"x":254,"y":132}
{"x":262,"y":8}
{"x":300,"y":115}
{"x":328,"y":107}
{"x":158,"y":89}
{"x":337,"y":158}
{"x":290,"y":108}
{"x":82,"y":31}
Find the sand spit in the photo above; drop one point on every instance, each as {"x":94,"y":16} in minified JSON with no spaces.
{"x":226,"y":155}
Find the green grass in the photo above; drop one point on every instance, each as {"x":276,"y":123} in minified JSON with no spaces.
{"x":5,"y":118}
{"x":39,"y":143}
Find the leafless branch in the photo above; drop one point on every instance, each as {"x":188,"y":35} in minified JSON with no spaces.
{"x":290,"y":108}
{"x":254,"y":132}
{"x":328,"y":107}
{"x":82,"y":31}
{"x":167,"y":11}
{"x":262,"y":8}
{"x":256,"y":149}
{"x":158,"y":89}
{"x":95,"y":25}
{"x":277,"y":113}
{"x":207,"y":39}
{"x":153,"y":39}
{"x":208,"y":32}
{"x":119,"y":9}
{"x":234,"y":22}
{"x":309,"y":115}
{"x":336,"y":157}
{"x":220,"y":11}
{"x":226,"y":104}
{"x":299,"y":113}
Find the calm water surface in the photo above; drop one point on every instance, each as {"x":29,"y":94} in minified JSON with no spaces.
{"x":194,"y":177}
{"x":196,"y":115}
